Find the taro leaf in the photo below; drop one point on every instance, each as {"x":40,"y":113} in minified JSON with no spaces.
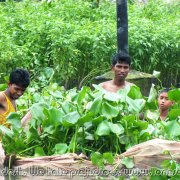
{"x":56,"y":94}
{"x":108,"y":157}
{"x":174,"y":113}
{"x":153,"y":94}
{"x":116,"y":128}
{"x":172,"y":128}
{"x":81,"y":95}
{"x":70,"y":119}
{"x":14,"y":119}
{"x":136,"y":105}
{"x":98,"y":87}
{"x":89,"y":136}
{"x":54,"y":116}
{"x":123,"y":93}
{"x":109,"y":111}
{"x":39,"y":152}
{"x":103,"y":129}
{"x":6,"y":131}
{"x":98,"y":120}
{"x":96,"y":105}
{"x":156,"y":74}
{"x":68,"y":107}
{"x":111,"y":96}
{"x":37,"y":111}
{"x":128,"y":162}
{"x":48,"y":73}
{"x":97,"y":159}
{"x":61,"y":148}
{"x":87,"y":117}
{"x":135,"y":93}
{"x":153,"y":115}
{"x":174,"y":95}
{"x":32,"y":135}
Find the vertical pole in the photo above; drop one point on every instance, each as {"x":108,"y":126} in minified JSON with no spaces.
{"x":122,"y":26}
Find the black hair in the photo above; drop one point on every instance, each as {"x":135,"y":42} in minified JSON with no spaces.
{"x":166,"y":90}
{"x":121,"y":57}
{"x":20,"y":77}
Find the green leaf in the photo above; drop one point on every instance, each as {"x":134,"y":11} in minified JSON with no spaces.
{"x":174,"y":95}
{"x":174,"y":113}
{"x":39,"y":152}
{"x":108,"y":157}
{"x":61,"y":148}
{"x":172,"y":128}
{"x":96,"y":105}
{"x":103,"y":129}
{"x":14,"y":119}
{"x":153,"y":94}
{"x":116,"y":128}
{"x":128,"y":162}
{"x":70,"y":119}
{"x":109,"y":111}
{"x":111,"y":96}
{"x":6,"y":131}
{"x":135,"y":93}
{"x":86,"y":118}
{"x":97,"y":159}
{"x":136,"y":105}
{"x":98,"y":120}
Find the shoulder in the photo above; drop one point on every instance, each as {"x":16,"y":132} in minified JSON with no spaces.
{"x":2,"y":97}
{"x":106,"y":83}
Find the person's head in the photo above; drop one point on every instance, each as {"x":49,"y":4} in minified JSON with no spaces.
{"x":121,"y":65}
{"x":18,"y":82}
{"x":163,"y":102}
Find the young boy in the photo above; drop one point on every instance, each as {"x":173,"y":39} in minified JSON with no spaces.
{"x":18,"y":82}
{"x":120,"y":66}
{"x":164,"y":103}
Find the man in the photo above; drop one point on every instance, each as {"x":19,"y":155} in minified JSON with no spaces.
{"x":18,"y":82}
{"x":120,"y":66}
{"x":164,"y":104}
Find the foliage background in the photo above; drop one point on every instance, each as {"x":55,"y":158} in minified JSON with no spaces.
{"x":77,"y":38}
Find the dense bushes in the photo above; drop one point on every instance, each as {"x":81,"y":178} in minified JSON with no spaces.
{"x":74,"y":38}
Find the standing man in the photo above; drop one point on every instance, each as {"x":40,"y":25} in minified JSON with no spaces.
{"x":120,"y":66}
{"x":18,"y":82}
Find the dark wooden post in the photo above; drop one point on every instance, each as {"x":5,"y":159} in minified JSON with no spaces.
{"x":122,"y":26}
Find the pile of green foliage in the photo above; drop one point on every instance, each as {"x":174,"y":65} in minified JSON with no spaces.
{"x":75,"y":38}
{"x":88,"y":121}
{"x":95,"y":122}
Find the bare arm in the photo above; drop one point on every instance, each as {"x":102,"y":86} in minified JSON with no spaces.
{"x":26,"y":119}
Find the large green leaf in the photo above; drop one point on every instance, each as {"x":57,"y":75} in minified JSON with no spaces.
{"x":108,"y":157}
{"x":136,"y":105}
{"x":87,"y":117}
{"x":116,"y":128}
{"x":153,"y":94}
{"x":128,"y":162}
{"x":70,"y":119}
{"x":103,"y":129}
{"x":172,"y":128}
{"x":96,"y":105}
{"x":174,"y":95}
{"x":39,"y":151}
{"x":174,"y":113}
{"x":6,"y":131}
{"x":135,"y":93}
{"x":14,"y":119}
{"x":60,"y":148}
{"x":97,"y":159}
{"x":109,"y":111}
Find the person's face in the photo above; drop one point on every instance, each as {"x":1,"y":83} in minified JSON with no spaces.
{"x":15,"y":90}
{"x":163,"y":102}
{"x":121,"y":70}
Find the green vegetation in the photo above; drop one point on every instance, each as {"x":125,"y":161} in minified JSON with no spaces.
{"x":76,"y":38}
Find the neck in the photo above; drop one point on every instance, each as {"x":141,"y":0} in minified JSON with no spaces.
{"x":163,"y":114}
{"x":8,"y":94}
{"x":119,"y":82}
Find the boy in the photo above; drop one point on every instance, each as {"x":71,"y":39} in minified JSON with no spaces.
{"x":18,"y":82}
{"x":120,"y":66}
{"x":164,"y":103}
